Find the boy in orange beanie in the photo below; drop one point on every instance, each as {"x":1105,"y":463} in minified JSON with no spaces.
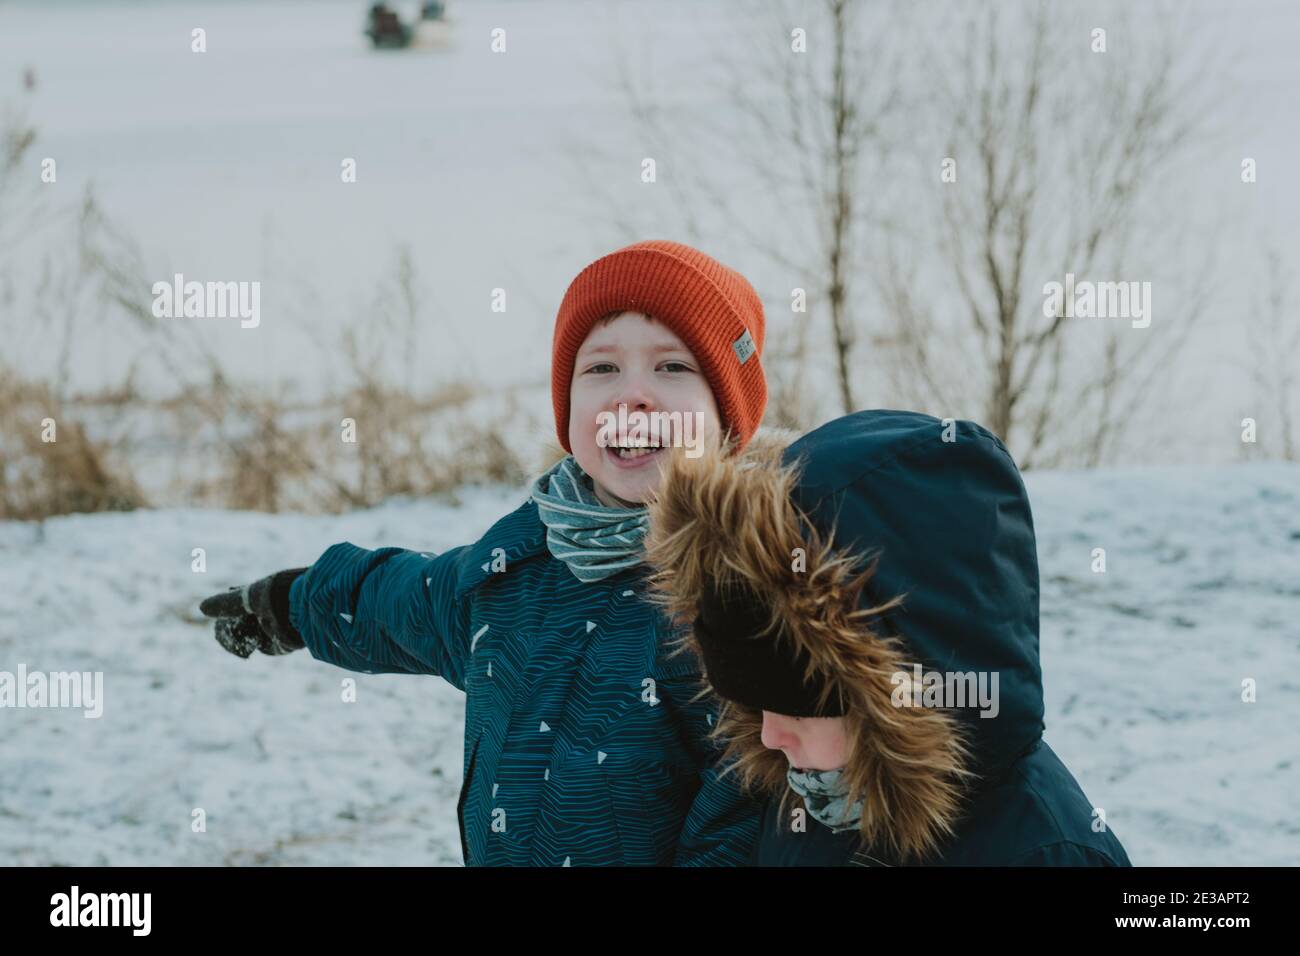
{"x":585,"y":742}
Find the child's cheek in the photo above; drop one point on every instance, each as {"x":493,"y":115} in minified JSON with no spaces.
{"x":709,"y":417}
{"x":582,"y":431}
{"x":582,"y":416}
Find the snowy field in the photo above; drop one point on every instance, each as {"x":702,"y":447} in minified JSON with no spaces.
{"x":1143,"y":668}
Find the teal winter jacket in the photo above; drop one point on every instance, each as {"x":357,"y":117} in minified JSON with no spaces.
{"x":585,"y":743}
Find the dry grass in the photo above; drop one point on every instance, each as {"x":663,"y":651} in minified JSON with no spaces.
{"x":70,"y":473}
{"x":219,"y":446}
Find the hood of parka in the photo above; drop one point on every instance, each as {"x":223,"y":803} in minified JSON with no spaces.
{"x":918,"y":554}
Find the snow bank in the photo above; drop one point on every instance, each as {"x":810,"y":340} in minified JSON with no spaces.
{"x":1143,"y":669}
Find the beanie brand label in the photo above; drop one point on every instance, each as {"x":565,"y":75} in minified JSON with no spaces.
{"x":744,"y":347}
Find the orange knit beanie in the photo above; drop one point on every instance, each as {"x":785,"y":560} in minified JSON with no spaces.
{"x":711,"y":308}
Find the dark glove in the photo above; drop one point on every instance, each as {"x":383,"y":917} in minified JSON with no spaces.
{"x":256,"y":616}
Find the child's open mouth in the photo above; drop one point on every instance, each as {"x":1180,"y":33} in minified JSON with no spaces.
{"x":632,"y":456}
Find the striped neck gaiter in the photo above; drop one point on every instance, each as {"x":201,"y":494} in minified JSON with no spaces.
{"x":593,"y":539}
{"x":826,"y":796}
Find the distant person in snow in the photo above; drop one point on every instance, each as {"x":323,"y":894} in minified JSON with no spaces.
{"x":385,"y":27}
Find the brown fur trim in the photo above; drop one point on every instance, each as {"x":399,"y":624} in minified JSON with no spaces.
{"x":725,"y":517}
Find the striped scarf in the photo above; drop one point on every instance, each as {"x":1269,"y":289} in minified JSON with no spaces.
{"x":594,"y":540}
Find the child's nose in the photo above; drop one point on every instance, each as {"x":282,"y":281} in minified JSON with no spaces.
{"x":776,"y":733}
{"x":635,"y":394}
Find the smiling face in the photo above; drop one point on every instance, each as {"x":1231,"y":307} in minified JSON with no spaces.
{"x":809,"y":743}
{"x":636,"y":361}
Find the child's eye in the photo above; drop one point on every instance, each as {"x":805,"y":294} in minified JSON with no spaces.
{"x":677,"y":367}
{"x":601,"y":365}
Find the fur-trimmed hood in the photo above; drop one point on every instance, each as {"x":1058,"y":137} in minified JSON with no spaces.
{"x":918,"y":550}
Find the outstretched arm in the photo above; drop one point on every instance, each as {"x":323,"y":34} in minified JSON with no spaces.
{"x":388,"y":610}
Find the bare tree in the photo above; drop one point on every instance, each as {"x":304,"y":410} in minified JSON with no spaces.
{"x":1274,"y":347}
{"x":1056,"y":166}
{"x":810,"y":89}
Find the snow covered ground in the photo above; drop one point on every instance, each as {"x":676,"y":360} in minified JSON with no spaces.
{"x":1143,"y":668}
{"x":1143,"y":665}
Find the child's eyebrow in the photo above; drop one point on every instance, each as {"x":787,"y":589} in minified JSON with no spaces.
{"x":655,"y":348}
